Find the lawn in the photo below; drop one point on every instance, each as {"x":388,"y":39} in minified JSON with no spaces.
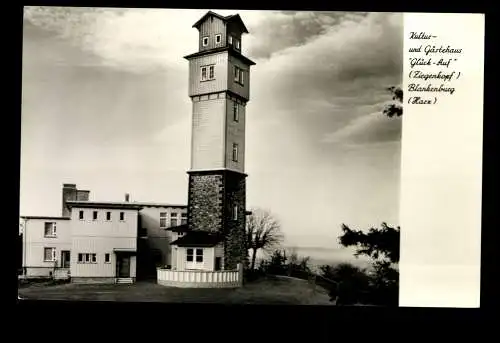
{"x":271,"y":290}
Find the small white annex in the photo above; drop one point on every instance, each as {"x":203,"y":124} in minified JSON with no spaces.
{"x":198,"y":261}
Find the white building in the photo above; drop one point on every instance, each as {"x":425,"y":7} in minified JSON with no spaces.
{"x":46,"y":246}
{"x":100,"y":241}
{"x":103,"y":241}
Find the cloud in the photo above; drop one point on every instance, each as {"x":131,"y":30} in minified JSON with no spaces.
{"x":334,"y":78}
{"x":276,"y":31}
{"x":372,"y":128}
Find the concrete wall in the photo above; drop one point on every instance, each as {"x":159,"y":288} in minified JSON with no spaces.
{"x":235,"y":133}
{"x":100,"y":237}
{"x":235,"y":87}
{"x":34,"y":242}
{"x":159,"y":238}
{"x":208,"y":132}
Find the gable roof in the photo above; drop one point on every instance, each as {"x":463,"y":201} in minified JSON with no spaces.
{"x":230,"y":18}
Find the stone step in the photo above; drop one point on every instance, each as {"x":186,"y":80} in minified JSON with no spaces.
{"x":126,"y":280}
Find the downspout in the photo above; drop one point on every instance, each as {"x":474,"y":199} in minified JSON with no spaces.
{"x":24,"y":245}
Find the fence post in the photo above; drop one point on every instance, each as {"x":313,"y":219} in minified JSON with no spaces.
{"x":240,"y":274}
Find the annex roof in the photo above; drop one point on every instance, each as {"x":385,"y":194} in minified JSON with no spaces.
{"x":198,"y":239}
{"x":179,"y":228}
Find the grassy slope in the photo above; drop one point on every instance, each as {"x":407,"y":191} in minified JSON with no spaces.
{"x":272,"y":290}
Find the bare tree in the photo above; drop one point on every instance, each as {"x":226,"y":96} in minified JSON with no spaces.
{"x":263,"y":231}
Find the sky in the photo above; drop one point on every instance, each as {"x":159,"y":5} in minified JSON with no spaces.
{"x":105,"y":106}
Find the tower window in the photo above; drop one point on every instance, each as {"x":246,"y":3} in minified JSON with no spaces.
{"x":108,"y":215}
{"x":122,"y":216}
{"x":81,"y":215}
{"x":94,"y":215}
{"x":238,"y":75}
{"x":235,"y":212}
{"x":235,"y":152}
{"x":205,"y":41}
{"x":236,"y":114}
{"x":207,"y":73}
{"x":218,"y":39}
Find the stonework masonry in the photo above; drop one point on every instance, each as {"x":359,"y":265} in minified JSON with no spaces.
{"x":234,"y":242}
{"x":213,"y":196}
{"x":205,"y":202}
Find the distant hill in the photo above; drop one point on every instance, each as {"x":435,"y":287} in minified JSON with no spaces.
{"x":319,"y":256}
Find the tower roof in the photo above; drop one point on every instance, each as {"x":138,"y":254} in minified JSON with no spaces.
{"x":223,"y":48}
{"x":234,"y":18}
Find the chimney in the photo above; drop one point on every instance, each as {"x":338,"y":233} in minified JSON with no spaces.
{"x":127,"y":197}
{"x":69,"y":193}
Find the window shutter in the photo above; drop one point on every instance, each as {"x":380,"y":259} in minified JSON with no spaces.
{"x":54,"y":231}
{"x":53,"y":254}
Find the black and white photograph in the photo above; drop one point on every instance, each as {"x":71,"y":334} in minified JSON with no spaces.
{"x":210,"y":156}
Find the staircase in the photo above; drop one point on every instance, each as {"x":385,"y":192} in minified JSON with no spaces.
{"x":124,"y":280}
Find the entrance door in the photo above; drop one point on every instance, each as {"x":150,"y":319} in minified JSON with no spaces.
{"x":218,"y":263}
{"x":65,"y":258}
{"x":123,"y":266}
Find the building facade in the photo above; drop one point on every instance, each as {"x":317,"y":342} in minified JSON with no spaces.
{"x":46,"y":246}
{"x":155,"y":236}
{"x":100,"y":242}
{"x":103,"y":241}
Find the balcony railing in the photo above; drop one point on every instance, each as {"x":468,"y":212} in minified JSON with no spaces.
{"x":200,"y":278}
